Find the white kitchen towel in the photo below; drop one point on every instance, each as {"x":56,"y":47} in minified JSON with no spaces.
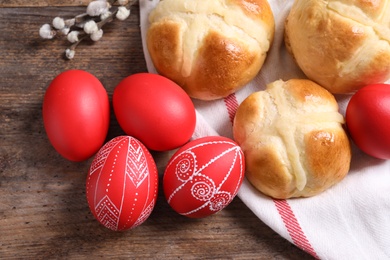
{"x":350,"y":220}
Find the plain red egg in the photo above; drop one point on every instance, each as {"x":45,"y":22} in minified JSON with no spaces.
{"x":76,"y":114}
{"x":154,"y":110}
{"x":368,"y":120}
{"x":122,"y":184}
{"x":204,"y":176}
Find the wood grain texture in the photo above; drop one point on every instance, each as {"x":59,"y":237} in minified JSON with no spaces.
{"x":41,"y":3}
{"x":43,"y":210}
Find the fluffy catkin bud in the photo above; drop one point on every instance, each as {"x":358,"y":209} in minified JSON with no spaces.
{"x":46,"y":32}
{"x":58,"y":23}
{"x":122,"y":13}
{"x":70,"y":53}
{"x":90,"y":27}
{"x":73,"y":36}
{"x":96,"y":8}
{"x":97,"y":35}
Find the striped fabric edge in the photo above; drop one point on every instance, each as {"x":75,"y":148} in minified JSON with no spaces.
{"x":293,"y":227}
{"x":284,"y":209}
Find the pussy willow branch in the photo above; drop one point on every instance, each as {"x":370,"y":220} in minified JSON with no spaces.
{"x":98,"y":11}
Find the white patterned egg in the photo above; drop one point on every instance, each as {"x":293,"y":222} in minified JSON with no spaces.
{"x":204,"y":176}
{"x":122,"y":184}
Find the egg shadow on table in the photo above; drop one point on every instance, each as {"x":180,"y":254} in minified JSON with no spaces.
{"x":85,"y":234}
{"x":75,"y":232}
{"x":216,"y":233}
{"x":189,"y":237}
{"x":261,"y":234}
{"x":67,"y":217}
{"x":64,"y":225}
{"x":360,"y":160}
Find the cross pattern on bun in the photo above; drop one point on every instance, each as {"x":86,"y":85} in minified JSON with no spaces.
{"x":293,"y":139}
{"x":211,"y":48}
{"x":342,"y":45}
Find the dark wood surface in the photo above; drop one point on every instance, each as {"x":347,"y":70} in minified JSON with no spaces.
{"x":43,"y":209}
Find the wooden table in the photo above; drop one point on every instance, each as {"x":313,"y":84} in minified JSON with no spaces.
{"x":43,"y":209}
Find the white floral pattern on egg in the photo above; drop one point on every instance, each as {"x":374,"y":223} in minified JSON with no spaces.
{"x":122,"y":184}
{"x":204,"y":176}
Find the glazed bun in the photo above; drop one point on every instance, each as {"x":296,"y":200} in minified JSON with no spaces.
{"x":342,"y":45}
{"x":293,"y":139}
{"x":210,"y":48}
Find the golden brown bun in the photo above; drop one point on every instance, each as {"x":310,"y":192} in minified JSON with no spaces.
{"x":293,"y":139}
{"x":342,"y":45}
{"x":210,"y":48}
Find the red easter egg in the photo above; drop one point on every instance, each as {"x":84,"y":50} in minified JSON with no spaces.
{"x":155,"y":110}
{"x":368,"y":120}
{"x":122,"y":184}
{"x":76,"y":114}
{"x":204,"y":176}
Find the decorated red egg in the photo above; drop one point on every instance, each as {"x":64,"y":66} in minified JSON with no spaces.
{"x":122,"y":184}
{"x":204,"y":176}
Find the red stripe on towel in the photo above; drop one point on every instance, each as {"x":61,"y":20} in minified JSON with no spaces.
{"x":294,"y":229}
{"x":286,"y":213}
{"x":231,"y":104}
